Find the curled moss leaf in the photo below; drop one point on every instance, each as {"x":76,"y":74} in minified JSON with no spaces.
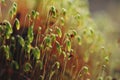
{"x":27,"y":67}
{"x":21,"y":40}
{"x":17,"y":24}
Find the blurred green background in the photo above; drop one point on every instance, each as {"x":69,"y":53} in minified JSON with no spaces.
{"x":106,"y":14}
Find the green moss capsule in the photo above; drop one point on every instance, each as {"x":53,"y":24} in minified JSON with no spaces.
{"x":59,"y":32}
{"x":53,"y":36}
{"x":15,"y":65}
{"x":40,"y":64}
{"x":33,"y":14}
{"x":62,"y":21}
{"x":64,"y":54}
{"x":79,"y":40}
{"x":36,"y":53}
{"x":57,"y":65}
{"x":30,"y":34}
{"x":52,"y":11}
{"x":11,"y":14}
{"x":47,"y":41}
{"x":21,"y":40}
{"x":64,"y":11}
{"x":27,"y":47}
{"x":68,"y":45}
{"x":17,"y":24}
{"x":58,"y":46}
{"x":14,"y":10}
{"x":74,"y":32}
{"x":3,"y":1}
{"x":107,"y":59}
{"x":85,"y":69}
{"x":7,"y":51}
{"x":8,"y":29}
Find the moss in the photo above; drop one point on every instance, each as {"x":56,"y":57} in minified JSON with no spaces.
{"x":51,"y":41}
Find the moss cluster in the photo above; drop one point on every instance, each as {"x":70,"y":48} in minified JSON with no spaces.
{"x":55,"y":40}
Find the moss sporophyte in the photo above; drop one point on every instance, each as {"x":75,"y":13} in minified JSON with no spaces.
{"x":49,"y":41}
